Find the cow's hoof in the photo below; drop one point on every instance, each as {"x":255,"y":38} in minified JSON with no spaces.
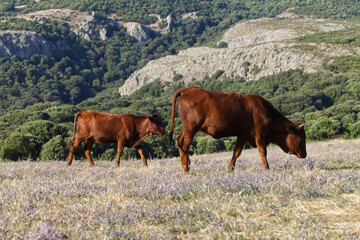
{"x":231,"y":170}
{"x":186,"y":170}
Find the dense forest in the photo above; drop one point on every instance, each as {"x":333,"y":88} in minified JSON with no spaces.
{"x":40,"y":95}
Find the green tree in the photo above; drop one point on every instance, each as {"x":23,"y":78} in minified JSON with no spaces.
{"x":43,"y":129}
{"x":354,"y":130}
{"x":157,"y":147}
{"x":55,"y":149}
{"x":19,"y":146}
{"x":208,"y":144}
{"x":109,"y":155}
{"x":323,"y":128}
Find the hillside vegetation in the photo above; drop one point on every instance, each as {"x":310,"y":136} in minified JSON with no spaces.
{"x":40,"y":95}
{"x":89,"y":67}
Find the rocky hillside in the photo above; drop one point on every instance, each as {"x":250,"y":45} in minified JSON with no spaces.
{"x":26,"y":44}
{"x":254,"y":49}
{"x":86,"y":26}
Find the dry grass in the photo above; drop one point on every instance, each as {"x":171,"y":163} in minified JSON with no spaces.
{"x":314,"y":198}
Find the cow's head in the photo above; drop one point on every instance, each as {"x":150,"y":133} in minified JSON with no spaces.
{"x":155,"y":125}
{"x":295,"y":140}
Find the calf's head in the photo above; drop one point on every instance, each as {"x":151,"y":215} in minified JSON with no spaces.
{"x":295,"y":140}
{"x":155,"y":126}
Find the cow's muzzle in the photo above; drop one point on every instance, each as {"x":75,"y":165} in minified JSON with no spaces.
{"x":301,"y":155}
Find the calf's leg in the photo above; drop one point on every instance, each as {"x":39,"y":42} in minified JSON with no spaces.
{"x":262,"y":150}
{"x":141,"y":152}
{"x":88,"y":145}
{"x":236,"y":153}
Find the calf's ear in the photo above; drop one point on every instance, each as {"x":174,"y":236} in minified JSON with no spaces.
{"x":153,"y":117}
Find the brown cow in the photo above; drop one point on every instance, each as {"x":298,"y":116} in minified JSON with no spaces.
{"x":250,"y":118}
{"x":127,"y":130}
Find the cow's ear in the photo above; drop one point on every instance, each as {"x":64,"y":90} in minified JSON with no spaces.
{"x":300,"y":125}
{"x":292,"y":129}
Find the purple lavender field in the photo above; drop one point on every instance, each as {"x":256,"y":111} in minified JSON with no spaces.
{"x":313,"y":198}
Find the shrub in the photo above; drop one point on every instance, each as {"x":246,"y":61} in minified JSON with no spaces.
{"x":176,"y":77}
{"x":43,"y":129}
{"x":217,"y":74}
{"x":323,"y":128}
{"x":109,"y":155}
{"x":156,"y":147}
{"x":20,"y":146}
{"x":209,"y":145}
{"x":355,"y":129}
{"x":130,"y":153}
{"x":222,"y":44}
{"x":55,"y":149}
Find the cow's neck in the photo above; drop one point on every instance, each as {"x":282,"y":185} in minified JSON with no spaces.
{"x":143,"y":129}
{"x":278,"y":136}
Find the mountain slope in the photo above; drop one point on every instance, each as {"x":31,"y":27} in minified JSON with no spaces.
{"x":255,"y":48}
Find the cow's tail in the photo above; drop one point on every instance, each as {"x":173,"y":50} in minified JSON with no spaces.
{"x":75,"y":118}
{"x":176,"y":95}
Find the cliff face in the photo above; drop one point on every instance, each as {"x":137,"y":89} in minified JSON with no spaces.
{"x":138,"y":31}
{"x":26,"y":44}
{"x":86,"y":26}
{"x":256,"y":48}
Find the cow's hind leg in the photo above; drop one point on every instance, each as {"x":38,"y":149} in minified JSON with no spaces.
{"x":87,"y":148}
{"x":141,"y":152}
{"x":73,"y":145}
{"x":236,"y":153}
{"x":262,"y":150}
{"x":184,"y":141}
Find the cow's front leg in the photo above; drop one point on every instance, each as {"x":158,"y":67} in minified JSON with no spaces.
{"x":88,"y":145}
{"x":141,"y":152}
{"x":184,"y":141}
{"x":120,"y":150}
{"x":236,"y":153}
{"x":262,"y":150}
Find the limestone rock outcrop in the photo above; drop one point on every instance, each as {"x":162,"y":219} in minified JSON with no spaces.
{"x":255,"y":48}
{"x":138,"y":31}
{"x":26,"y":44}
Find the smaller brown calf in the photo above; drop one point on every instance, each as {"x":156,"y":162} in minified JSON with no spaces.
{"x":127,"y":130}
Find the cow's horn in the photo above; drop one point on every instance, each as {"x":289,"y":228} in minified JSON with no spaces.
{"x":301,"y":125}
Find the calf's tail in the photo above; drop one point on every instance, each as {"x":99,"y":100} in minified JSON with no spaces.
{"x":75,"y":118}
{"x":176,"y":95}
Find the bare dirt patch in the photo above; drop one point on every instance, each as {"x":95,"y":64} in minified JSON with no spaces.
{"x":72,"y":17}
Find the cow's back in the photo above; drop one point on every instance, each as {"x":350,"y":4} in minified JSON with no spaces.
{"x":216,"y":113}
{"x":222,"y":114}
{"x":104,"y":127}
